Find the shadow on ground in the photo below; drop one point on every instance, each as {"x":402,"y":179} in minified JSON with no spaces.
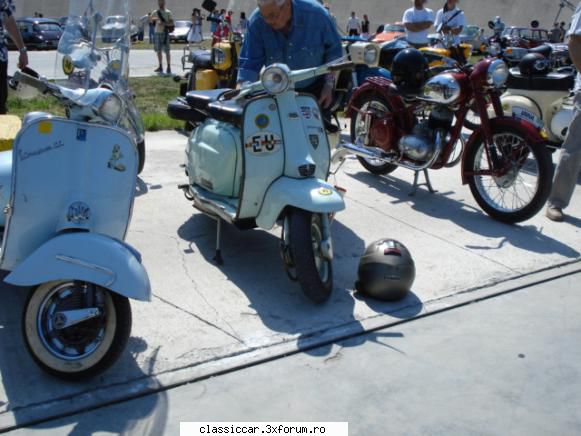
{"x":440,"y":206}
{"x":279,"y":302}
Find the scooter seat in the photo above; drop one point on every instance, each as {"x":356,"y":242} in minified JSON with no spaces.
{"x":179,"y":109}
{"x":9,"y":127}
{"x":227,"y":112}
{"x":553,"y":81}
{"x":201,"y":99}
{"x":202,"y":59}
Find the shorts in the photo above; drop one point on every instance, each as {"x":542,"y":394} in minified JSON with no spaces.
{"x":161,"y":42}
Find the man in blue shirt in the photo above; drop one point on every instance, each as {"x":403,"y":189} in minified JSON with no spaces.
{"x":299,"y":33}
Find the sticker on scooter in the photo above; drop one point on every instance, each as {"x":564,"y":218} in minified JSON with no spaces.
{"x":325,"y":191}
{"x":116,"y":156}
{"x":316,"y":114}
{"x":78,"y":213}
{"x":262,"y":121}
{"x":523,"y":114}
{"x":314,"y":140}
{"x":307,"y":112}
{"x":263,"y":143}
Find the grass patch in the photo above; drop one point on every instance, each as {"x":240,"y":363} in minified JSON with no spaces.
{"x":152,"y":97}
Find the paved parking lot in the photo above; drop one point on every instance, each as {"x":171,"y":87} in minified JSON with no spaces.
{"x":205,"y":319}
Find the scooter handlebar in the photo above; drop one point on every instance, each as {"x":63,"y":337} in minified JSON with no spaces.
{"x":342,"y":66}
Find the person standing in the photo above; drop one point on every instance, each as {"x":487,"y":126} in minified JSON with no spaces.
{"x":365,"y":27}
{"x":213,"y":18}
{"x":163,"y":20}
{"x":353,"y":25}
{"x":450,"y":21}
{"x":243,"y":24}
{"x":417,"y":20}
{"x":570,"y":162}
{"x":563,"y":31}
{"x":195,"y":35}
{"x":8,"y":24}
{"x":151,"y":28}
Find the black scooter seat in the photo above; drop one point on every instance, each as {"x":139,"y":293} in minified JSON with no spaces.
{"x":553,"y":81}
{"x":202,"y":59}
{"x":200,"y":100}
{"x":226,"y":111}
{"x":545,"y":50}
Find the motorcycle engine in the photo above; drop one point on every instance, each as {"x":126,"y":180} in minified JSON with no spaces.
{"x":420,"y":145}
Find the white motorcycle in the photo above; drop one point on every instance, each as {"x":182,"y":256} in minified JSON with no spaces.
{"x":260,"y":157}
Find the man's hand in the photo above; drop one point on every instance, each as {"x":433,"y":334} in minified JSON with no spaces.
{"x":327,"y":95}
{"x":23,"y":60}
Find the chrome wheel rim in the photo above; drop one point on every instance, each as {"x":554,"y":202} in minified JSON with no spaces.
{"x":322,"y":264}
{"x":516,"y":189}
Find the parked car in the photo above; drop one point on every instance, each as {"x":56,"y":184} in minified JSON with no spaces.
{"x":389,"y":32}
{"x":114,"y":28}
{"x":524,"y":37}
{"x":474,"y":36}
{"x":180,"y":34}
{"x":38,"y":33}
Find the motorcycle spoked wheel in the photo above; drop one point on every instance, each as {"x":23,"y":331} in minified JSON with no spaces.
{"x":379,"y":105}
{"x":313,"y":272}
{"x":522,"y":192}
{"x":472,"y":120}
{"x":83,"y":350}
{"x":141,"y":156}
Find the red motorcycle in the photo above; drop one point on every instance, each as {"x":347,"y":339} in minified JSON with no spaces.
{"x":505,"y":161}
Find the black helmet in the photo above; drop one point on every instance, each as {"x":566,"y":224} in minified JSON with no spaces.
{"x":409,"y":71}
{"x":534,"y":64}
{"x":386,"y":271}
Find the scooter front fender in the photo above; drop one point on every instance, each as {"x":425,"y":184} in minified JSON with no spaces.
{"x":510,"y":101}
{"x":312,"y":195}
{"x":87,"y":257}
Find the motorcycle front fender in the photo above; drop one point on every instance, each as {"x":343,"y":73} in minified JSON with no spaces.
{"x":526,"y":129}
{"x":312,"y":195}
{"x":87,"y":257}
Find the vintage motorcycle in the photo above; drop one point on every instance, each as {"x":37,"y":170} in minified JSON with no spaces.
{"x":260,"y":156}
{"x":67,"y":189}
{"x":505,"y":161}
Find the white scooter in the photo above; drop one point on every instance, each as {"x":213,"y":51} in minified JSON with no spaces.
{"x":545,"y":100}
{"x":260,"y":156}
{"x":67,"y":189}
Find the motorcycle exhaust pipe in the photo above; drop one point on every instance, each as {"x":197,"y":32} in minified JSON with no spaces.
{"x":346,"y":148}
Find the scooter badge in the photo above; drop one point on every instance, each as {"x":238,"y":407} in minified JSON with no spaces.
{"x":78,"y":212}
{"x":314,"y":139}
{"x":68,"y":65}
{"x":325,"y":191}
{"x":262,"y":121}
{"x":116,"y":156}
{"x":307,"y":112}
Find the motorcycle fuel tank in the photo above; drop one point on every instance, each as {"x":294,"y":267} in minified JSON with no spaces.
{"x":214,"y":158}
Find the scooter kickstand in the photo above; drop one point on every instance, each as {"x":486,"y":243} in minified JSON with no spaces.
{"x":218,"y":257}
{"x":428,"y":183}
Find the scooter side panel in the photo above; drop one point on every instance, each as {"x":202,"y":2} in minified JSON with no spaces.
{"x":5,"y":183}
{"x":313,"y":195}
{"x":264,"y":154}
{"x":88,"y":257}
{"x":68,"y":175}
{"x":315,"y":135}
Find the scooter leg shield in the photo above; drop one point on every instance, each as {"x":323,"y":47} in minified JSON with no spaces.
{"x":88,"y":257}
{"x":312,"y":195}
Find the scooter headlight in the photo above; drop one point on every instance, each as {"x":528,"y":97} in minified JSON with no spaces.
{"x":276,"y":78}
{"x":371,"y":55}
{"x":497,"y":73}
{"x":111,"y":108}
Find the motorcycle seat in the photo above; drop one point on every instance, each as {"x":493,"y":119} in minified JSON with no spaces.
{"x":200,"y":100}
{"x":179,"y":109}
{"x":553,"y":81}
{"x":202,"y":59}
{"x":227,"y":112}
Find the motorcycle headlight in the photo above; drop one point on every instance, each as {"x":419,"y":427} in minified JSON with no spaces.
{"x":497,"y":73}
{"x":442,"y":89}
{"x":111,"y":108}
{"x":371,"y":55}
{"x":276,"y":78}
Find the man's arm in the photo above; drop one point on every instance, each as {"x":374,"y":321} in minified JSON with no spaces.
{"x":418,"y":27}
{"x":252,"y":55}
{"x":575,"y":50}
{"x":14,"y":32}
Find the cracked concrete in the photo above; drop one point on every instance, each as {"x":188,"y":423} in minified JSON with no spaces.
{"x":247,"y":309}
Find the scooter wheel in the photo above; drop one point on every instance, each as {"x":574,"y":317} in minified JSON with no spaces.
{"x":313,"y":271}
{"x":82,"y":350}
{"x":141,"y":156}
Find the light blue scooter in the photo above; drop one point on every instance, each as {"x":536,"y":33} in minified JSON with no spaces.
{"x":260,"y":157}
{"x":67,"y":192}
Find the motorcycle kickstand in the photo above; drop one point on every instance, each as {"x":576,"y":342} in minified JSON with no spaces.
{"x":218,"y":257}
{"x":428,"y":183}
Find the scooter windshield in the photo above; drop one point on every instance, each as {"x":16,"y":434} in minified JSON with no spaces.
{"x":94,"y":48}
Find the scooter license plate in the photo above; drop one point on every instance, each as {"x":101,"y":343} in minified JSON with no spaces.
{"x":523,"y":114}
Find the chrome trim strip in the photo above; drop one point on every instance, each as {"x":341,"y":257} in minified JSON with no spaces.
{"x":88,"y":265}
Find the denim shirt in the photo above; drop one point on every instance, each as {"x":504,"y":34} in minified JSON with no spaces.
{"x":6,"y":10}
{"x":312,"y":41}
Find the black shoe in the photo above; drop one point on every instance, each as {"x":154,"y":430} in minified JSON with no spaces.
{"x":168,"y":71}
{"x":159,"y":70}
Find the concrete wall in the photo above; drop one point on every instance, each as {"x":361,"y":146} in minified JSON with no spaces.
{"x":516,"y":12}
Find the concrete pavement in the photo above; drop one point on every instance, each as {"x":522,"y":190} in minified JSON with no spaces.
{"x":205,"y":319}
{"x":504,"y":366}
